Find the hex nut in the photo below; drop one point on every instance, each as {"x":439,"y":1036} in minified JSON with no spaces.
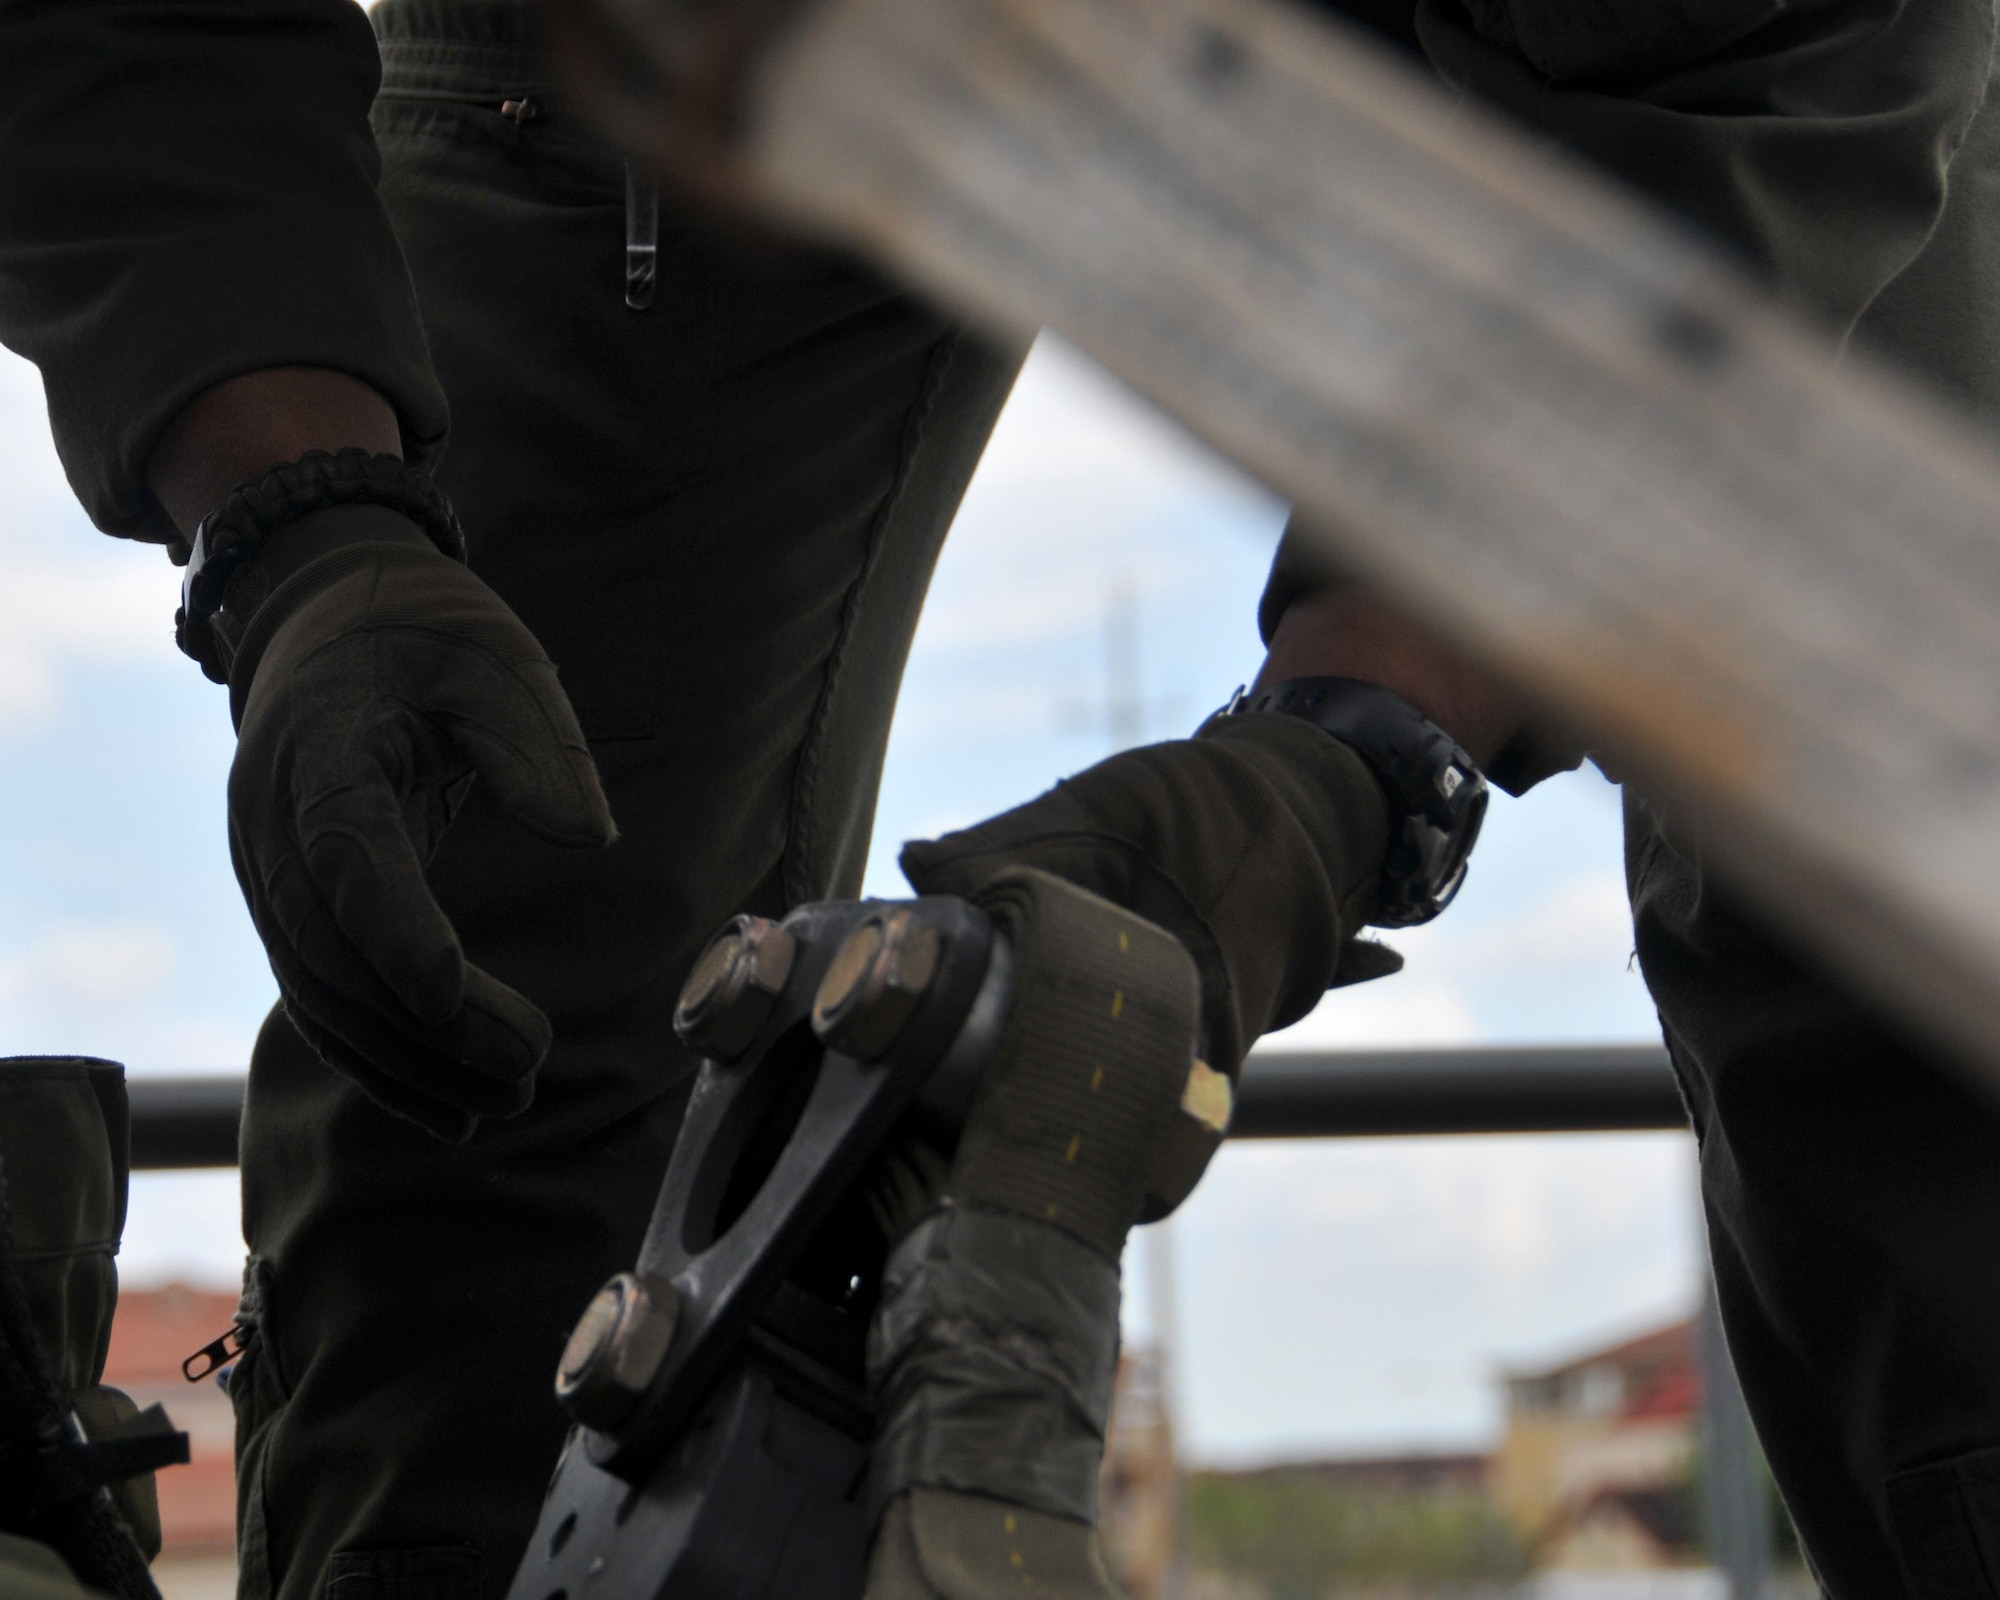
{"x":874,"y":983}
{"x":617,"y":1349}
{"x":733,"y":986}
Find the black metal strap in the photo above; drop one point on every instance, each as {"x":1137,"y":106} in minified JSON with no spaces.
{"x":1420,"y":764}
{"x":70,"y":1466}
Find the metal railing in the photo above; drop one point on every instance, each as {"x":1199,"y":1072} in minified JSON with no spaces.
{"x":1319,"y":1094}
{"x":183,"y":1122}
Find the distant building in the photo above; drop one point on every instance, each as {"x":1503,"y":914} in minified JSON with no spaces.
{"x":1596,"y":1465}
{"x":154,"y":1331}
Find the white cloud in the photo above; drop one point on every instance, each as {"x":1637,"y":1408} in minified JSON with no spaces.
{"x":110,"y":989}
{"x":1580,"y":929}
{"x":1582,"y":923}
{"x":1510,"y":1206}
{"x":996,"y":709}
{"x":99,"y":968}
{"x":1069,"y":503}
{"x":71,"y":595}
{"x":55,"y":614}
{"x":1347,"y":1295}
{"x":183,"y":1227}
{"x":1022,"y":587}
{"x":151,"y":1045}
{"x":1412,"y":1007}
{"x":1070,"y":424}
{"x":28,"y":464}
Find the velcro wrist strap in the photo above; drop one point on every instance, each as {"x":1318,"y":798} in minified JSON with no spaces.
{"x":1091,"y":1067}
{"x":994,"y":1354}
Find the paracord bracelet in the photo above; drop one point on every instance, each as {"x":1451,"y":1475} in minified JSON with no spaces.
{"x":259,"y":507}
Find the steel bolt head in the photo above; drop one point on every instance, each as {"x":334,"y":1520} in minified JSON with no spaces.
{"x":874,"y":983}
{"x":733,"y":985}
{"x":616,"y":1349}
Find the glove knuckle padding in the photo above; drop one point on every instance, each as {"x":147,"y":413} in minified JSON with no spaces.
{"x":1255,"y":845}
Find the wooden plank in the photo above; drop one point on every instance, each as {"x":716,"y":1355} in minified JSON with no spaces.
{"x":1505,"y":390}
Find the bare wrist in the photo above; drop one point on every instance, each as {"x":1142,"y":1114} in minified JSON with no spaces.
{"x":250,"y":422}
{"x":1347,"y":630}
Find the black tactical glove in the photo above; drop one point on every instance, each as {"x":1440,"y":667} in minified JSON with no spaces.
{"x":1257,"y":844}
{"x":372,"y":679}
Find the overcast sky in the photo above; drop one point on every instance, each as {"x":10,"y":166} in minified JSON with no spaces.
{"x":1334,"y":1296}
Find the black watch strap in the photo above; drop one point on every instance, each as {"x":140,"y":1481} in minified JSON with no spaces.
{"x":259,"y":507}
{"x":1437,"y":795}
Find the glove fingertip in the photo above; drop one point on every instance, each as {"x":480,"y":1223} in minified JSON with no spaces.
{"x":439,"y":995}
{"x":441,"y":1118}
{"x":446,"y":1124}
{"x":572,"y":816}
{"x":501,"y":1034}
{"x":600,"y":825}
{"x":514,"y":1104}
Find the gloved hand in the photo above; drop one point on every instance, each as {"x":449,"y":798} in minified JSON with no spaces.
{"x":1257,"y":844}
{"x":372,"y":680}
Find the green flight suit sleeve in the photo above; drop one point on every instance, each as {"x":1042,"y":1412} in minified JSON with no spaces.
{"x":187,"y":192}
{"x":1816,"y":139}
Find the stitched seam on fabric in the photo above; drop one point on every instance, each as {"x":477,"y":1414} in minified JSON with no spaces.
{"x":1686,"y":1079}
{"x":794,"y":873}
{"x":1969,"y":1526}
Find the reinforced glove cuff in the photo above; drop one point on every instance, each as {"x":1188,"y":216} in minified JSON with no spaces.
{"x":313,"y":555}
{"x":260,"y":507}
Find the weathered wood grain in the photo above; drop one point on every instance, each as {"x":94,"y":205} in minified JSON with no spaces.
{"x":1770,"y":584}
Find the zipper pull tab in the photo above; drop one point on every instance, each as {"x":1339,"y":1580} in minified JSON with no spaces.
{"x":642,"y":237}
{"x":216,"y":1353}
